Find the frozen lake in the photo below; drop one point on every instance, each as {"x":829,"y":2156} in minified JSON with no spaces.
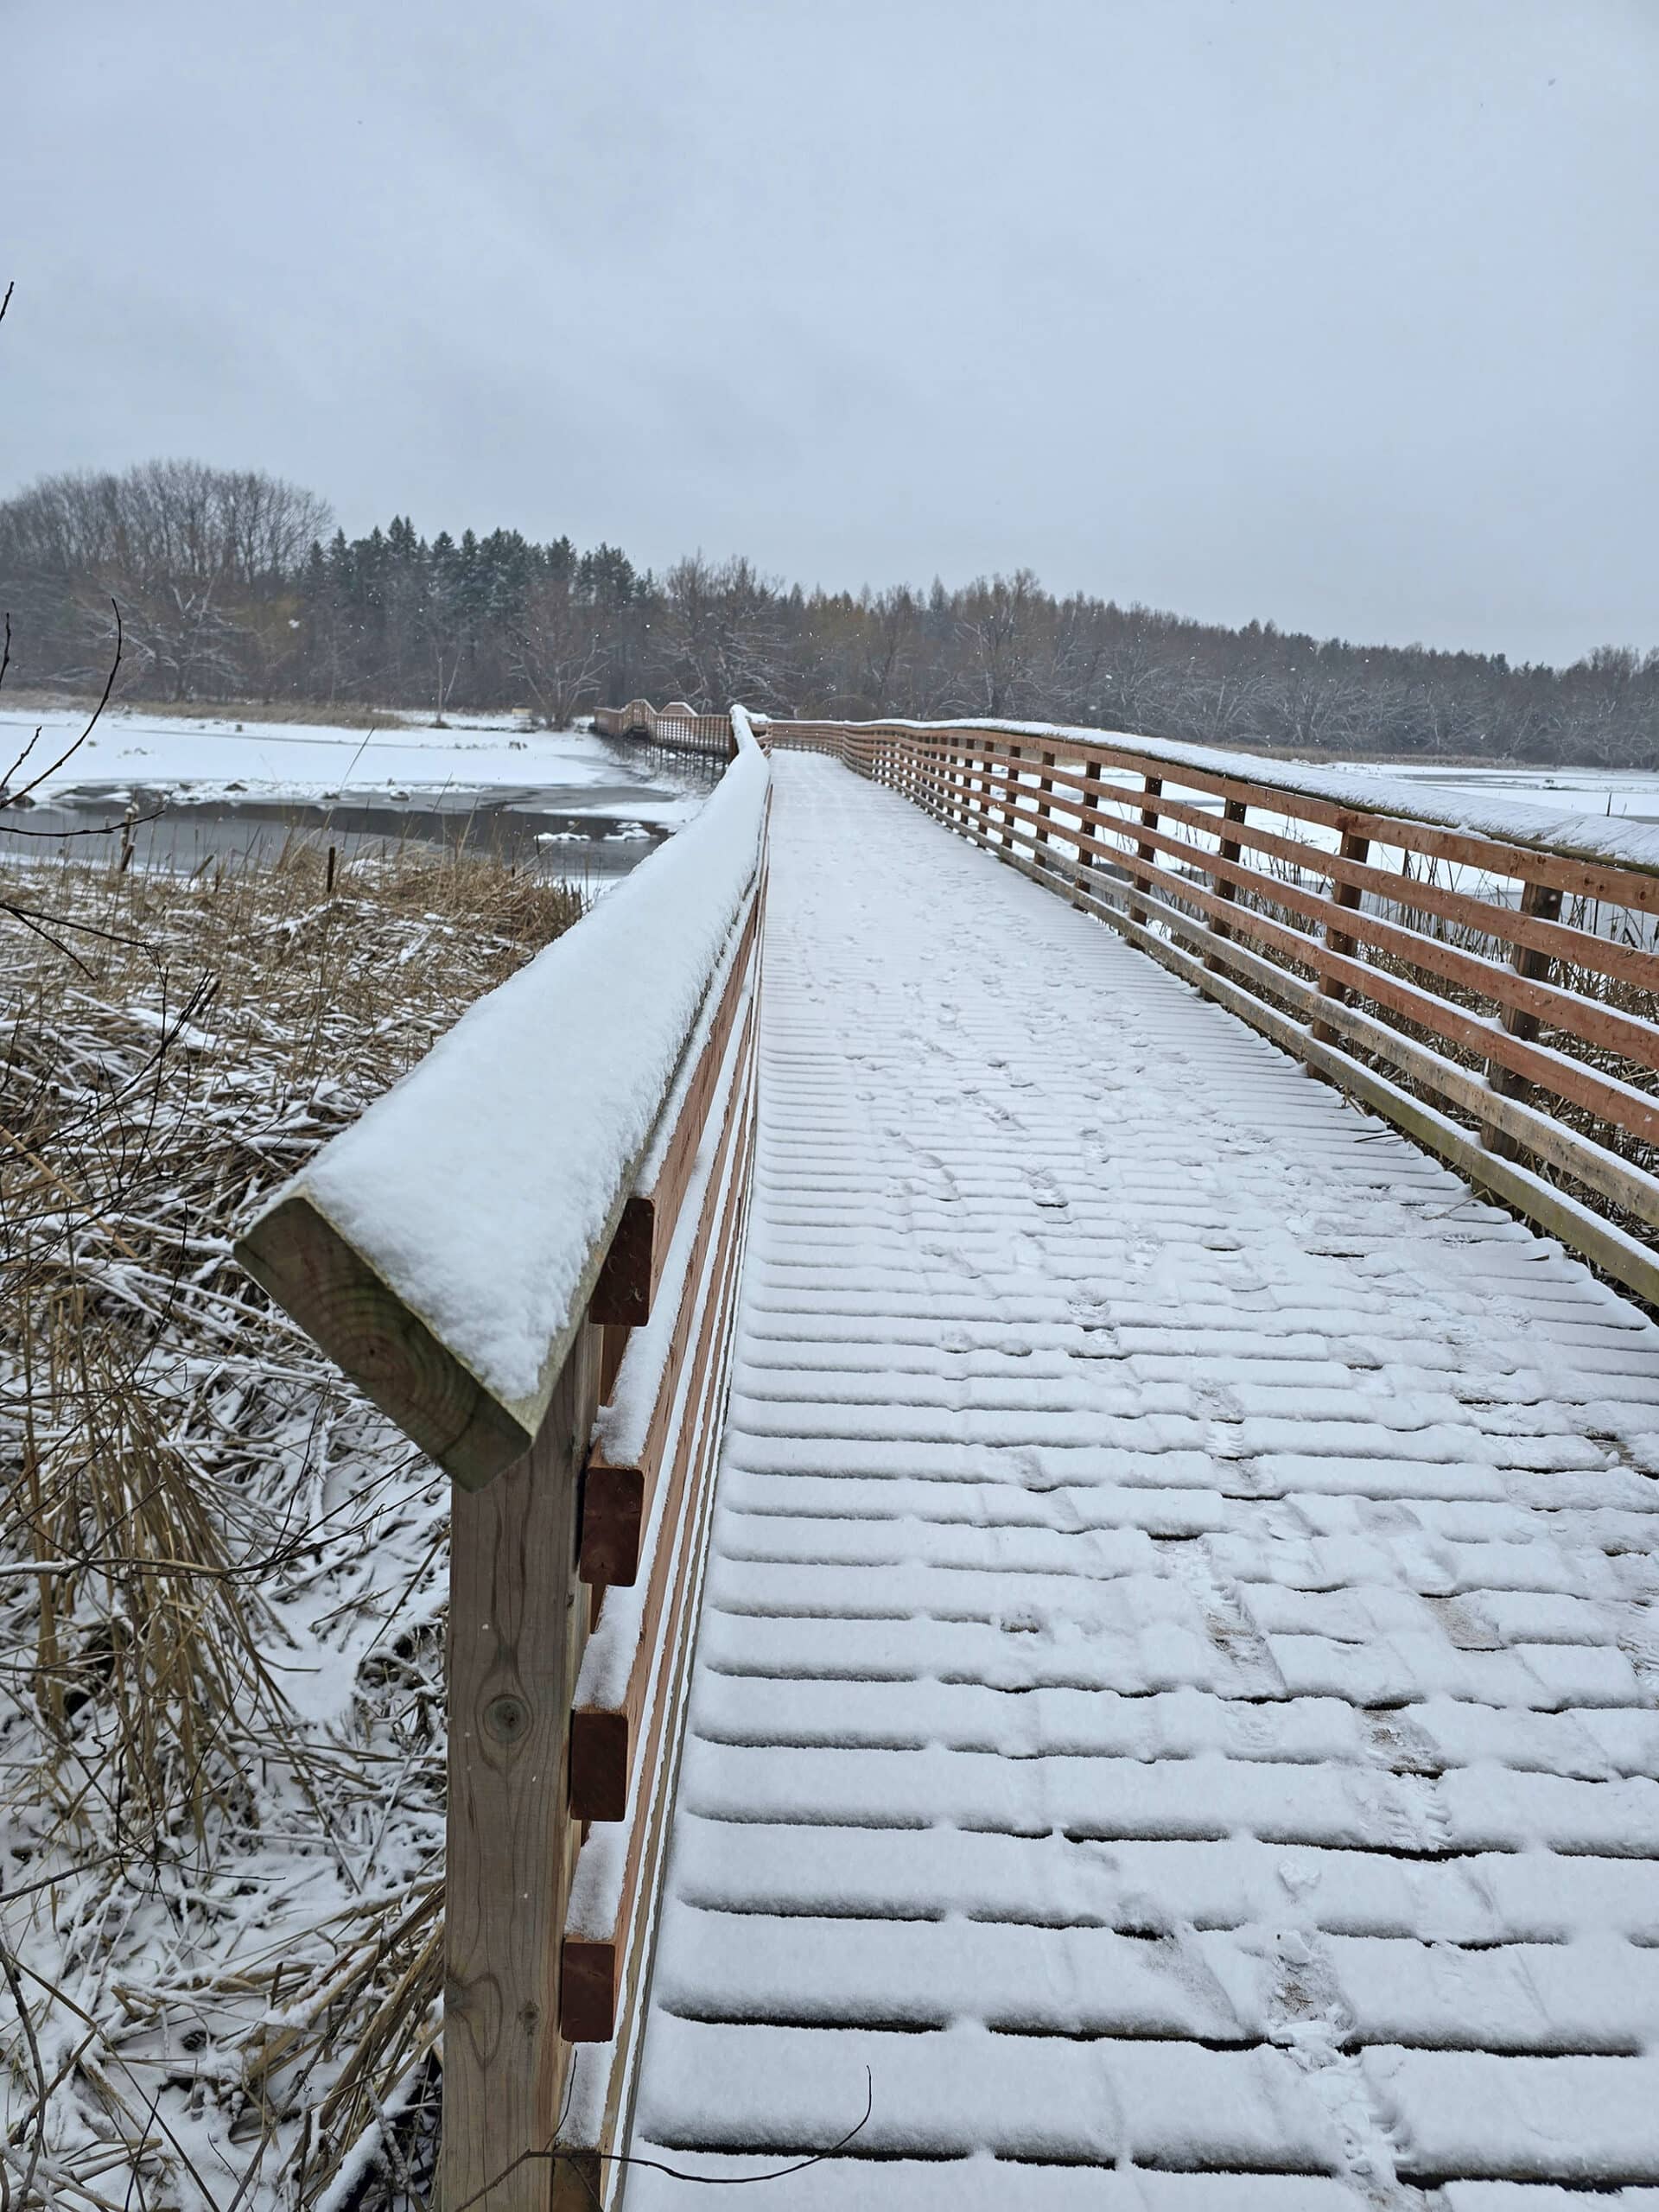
{"x":1620,"y":793}
{"x":568,"y":804}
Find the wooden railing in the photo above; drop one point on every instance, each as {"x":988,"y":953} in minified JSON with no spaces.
{"x":1484,"y":977}
{"x":527,"y":1254}
{"x":676,"y":727}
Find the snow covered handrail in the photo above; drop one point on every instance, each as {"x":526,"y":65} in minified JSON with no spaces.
{"x":527,"y":1254}
{"x":676,"y":727}
{"x":443,"y":1248}
{"x":1484,"y":976}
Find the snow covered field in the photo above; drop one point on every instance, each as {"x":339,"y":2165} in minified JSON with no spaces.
{"x":199,"y":760}
{"x":1606,"y":791}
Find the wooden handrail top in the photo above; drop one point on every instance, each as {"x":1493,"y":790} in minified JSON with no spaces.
{"x":442,"y":1251}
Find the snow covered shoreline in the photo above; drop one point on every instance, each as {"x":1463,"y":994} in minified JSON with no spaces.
{"x":195,"y":760}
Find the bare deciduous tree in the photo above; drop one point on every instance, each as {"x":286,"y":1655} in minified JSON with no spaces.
{"x":555,"y":650}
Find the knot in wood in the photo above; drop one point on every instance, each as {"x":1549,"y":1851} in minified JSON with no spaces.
{"x":506,"y":1718}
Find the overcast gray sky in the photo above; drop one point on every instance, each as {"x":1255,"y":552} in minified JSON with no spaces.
{"x":1340,"y":312}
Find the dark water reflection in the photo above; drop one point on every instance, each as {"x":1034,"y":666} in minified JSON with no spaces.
{"x":529,"y":826}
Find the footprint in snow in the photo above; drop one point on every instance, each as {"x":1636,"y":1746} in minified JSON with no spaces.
{"x":1044,"y":1190}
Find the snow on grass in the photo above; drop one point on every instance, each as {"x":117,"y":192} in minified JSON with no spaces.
{"x":221,"y":1573}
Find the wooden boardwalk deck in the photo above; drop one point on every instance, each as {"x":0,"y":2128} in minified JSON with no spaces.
{"x":1177,"y":1697}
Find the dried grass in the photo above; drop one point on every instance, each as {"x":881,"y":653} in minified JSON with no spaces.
{"x":221,"y":1572}
{"x":339,"y":713}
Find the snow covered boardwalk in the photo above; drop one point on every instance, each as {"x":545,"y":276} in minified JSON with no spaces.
{"x":1177,"y":1690}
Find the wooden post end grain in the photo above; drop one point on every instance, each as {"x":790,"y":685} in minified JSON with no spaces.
{"x":295,"y":1253}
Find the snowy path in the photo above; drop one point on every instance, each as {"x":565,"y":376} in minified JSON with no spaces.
{"x":1178,"y":1690}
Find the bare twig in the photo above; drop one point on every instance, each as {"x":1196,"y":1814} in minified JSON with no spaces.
{"x":556,"y":2157}
{"x":11,"y":797}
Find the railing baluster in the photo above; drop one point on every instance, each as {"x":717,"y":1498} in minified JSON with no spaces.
{"x":1083,"y":869}
{"x":956,"y":787}
{"x":979,"y":785}
{"x":1003,"y":793}
{"x":1539,"y":903}
{"x":1234,"y":810}
{"x":1354,"y":848}
{"x":1045,"y":808}
{"x":1155,"y":786}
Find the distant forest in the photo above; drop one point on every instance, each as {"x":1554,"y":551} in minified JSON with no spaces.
{"x":233,"y":586}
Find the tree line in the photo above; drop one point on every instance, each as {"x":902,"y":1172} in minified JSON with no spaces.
{"x":233,"y":586}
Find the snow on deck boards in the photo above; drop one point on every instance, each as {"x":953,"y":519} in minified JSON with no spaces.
{"x":1177,"y":1691}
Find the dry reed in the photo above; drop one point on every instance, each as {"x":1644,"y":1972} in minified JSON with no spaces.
{"x":221,"y":1572}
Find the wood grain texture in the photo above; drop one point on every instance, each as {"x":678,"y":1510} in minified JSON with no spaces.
{"x":612,"y":1524}
{"x":517,"y":1621}
{"x":297,"y":1254}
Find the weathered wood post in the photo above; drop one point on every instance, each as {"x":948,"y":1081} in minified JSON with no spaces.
{"x":1144,"y":850}
{"x":1088,"y":826}
{"x":517,"y":1622}
{"x":1343,"y":895}
{"x":1044,"y":801}
{"x":1538,"y":903}
{"x":953,"y":784}
{"x":1229,"y":849}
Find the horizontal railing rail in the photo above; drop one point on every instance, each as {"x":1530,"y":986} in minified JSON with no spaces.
{"x":1484,"y":976}
{"x":527,"y":1254}
{"x":676,"y":727}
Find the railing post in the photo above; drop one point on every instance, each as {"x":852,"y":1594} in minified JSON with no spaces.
{"x":954,"y":787}
{"x":998,"y":813}
{"x":1008,"y":799}
{"x":1145,"y":852}
{"x":1045,"y":796}
{"x":1539,"y":903}
{"x":1348,"y":895}
{"x":1234,"y":810}
{"x":1083,"y":868}
{"x":517,"y":1622}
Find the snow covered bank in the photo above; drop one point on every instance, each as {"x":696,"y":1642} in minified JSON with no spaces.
{"x":198,"y":760}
